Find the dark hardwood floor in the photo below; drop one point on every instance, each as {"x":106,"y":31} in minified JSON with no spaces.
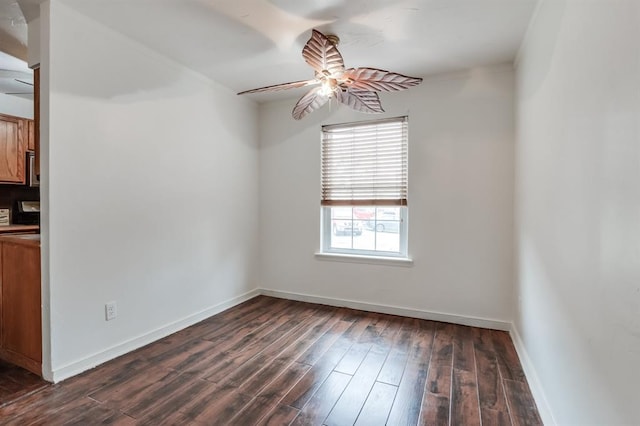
{"x":16,"y":382}
{"x":275,"y":362}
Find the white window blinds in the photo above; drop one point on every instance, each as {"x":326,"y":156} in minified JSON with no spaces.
{"x":365,"y":163}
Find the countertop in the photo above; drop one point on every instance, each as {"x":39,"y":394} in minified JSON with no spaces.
{"x":22,"y":239}
{"x":18,"y":228}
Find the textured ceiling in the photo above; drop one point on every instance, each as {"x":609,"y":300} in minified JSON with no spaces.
{"x":245,"y":44}
{"x":13,"y":29}
{"x":15,"y":77}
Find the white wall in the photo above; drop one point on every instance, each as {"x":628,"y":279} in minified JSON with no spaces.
{"x":578,"y":208}
{"x":151,"y":192}
{"x":461,"y":130}
{"x":33,"y":52}
{"x":16,"y":106}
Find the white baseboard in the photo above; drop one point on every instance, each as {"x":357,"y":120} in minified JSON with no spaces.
{"x":392,"y":310}
{"x":532,"y":377}
{"x":77,"y":367}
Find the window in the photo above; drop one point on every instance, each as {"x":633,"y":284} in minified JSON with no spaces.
{"x":364,"y":188}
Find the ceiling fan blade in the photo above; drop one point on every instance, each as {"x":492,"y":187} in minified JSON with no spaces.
{"x":377,"y":80}
{"x":310,"y":102}
{"x":283,"y":86}
{"x":23,"y":82}
{"x":323,"y":55}
{"x":359,"y":100}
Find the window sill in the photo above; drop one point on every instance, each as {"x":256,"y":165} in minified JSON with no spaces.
{"x":358,"y":258}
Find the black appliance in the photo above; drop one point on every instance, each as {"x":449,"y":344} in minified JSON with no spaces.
{"x":26,"y":213}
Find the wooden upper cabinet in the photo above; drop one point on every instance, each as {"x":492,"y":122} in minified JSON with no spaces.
{"x":13,"y":134}
{"x":31,"y":135}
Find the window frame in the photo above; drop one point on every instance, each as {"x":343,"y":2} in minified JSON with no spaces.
{"x":326,"y":232}
{"x":325,"y":209}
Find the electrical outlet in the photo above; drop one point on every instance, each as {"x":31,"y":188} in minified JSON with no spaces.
{"x":110,"y":311}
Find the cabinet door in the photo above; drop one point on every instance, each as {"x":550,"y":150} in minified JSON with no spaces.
{"x":12,"y":149}
{"x":31,"y":138}
{"x":21,"y":312}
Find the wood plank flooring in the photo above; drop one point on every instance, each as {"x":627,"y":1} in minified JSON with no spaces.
{"x":16,"y":382}
{"x":276,"y":362}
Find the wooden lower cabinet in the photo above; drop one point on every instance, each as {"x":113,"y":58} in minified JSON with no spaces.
{"x":20,"y":303}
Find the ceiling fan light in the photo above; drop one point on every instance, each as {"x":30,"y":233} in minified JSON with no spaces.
{"x":329,"y":87}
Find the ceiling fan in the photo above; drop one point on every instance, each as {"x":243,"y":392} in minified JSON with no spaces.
{"x":353,"y":87}
{"x":9,"y":80}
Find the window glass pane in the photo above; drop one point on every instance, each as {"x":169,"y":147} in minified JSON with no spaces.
{"x":372,"y":229}
{"x":344,"y":227}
